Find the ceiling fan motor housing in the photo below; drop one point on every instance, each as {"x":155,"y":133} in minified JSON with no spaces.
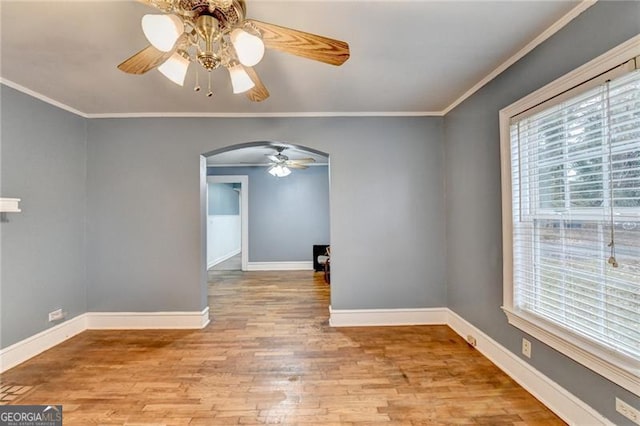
{"x":228,"y":13}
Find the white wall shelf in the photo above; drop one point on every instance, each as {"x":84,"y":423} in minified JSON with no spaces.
{"x":10,"y":205}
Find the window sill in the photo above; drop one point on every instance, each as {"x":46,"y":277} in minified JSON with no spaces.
{"x":581,"y":351}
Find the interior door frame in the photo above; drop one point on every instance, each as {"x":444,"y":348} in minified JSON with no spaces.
{"x":243,"y":180}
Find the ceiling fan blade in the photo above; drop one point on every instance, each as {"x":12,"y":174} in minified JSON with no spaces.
{"x":259,"y":92}
{"x":150,"y":57}
{"x":296,"y":166}
{"x":273,"y":158}
{"x":303,"y":160}
{"x":145,"y":60}
{"x":300,"y":43}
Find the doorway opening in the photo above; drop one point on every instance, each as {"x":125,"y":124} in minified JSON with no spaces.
{"x":283,"y":217}
{"x":228,"y":222}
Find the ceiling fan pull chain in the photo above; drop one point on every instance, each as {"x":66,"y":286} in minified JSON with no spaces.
{"x":197,"y":86}
{"x":210,"y":93}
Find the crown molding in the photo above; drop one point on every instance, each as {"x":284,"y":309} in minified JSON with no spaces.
{"x":268,"y":114}
{"x":546,"y":34}
{"x":66,"y":107}
{"x":41,"y":97}
{"x":260,"y":165}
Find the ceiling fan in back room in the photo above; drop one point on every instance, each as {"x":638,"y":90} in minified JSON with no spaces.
{"x":281,"y":165}
{"x":215,"y":34}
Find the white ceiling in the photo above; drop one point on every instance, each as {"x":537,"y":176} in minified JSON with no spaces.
{"x":407,"y":57}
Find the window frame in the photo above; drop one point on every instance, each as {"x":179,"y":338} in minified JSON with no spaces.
{"x":623,"y":372}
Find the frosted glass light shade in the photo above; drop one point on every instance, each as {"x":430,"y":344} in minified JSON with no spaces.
{"x":175,"y":68}
{"x":249,"y":48}
{"x":162,"y":31}
{"x":279,"y":171}
{"x":240,"y":80}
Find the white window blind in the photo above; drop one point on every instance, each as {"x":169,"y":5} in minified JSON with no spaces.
{"x":575,"y":183}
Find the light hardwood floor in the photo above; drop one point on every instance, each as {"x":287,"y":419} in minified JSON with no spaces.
{"x":269,"y":357}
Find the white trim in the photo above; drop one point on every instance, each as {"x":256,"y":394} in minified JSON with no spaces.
{"x":147,"y":320}
{"x":221,"y":259}
{"x":284,"y":114}
{"x":546,"y":34}
{"x":386,"y":317}
{"x":554,"y":28}
{"x":244,"y":212}
{"x":566,"y":405}
{"x":31,"y":346}
{"x":608,"y":60}
{"x":42,"y":97}
{"x":603,"y":364}
{"x":578,"y":350}
{"x":259,"y":164}
{"x":507,"y":212}
{"x":556,"y":398}
{"x":280,"y":266}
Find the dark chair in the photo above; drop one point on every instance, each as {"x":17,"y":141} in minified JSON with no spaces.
{"x":327,"y":265}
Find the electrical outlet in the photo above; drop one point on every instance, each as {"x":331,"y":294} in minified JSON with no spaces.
{"x":628,"y":411}
{"x":56,"y":315}
{"x":526,"y":348}
{"x":471,"y":341}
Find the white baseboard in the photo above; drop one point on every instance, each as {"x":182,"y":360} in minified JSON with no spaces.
{"x":280,"y":266}
{"x":221,"y":259}
{"x":383,"y":317}
{"x":147,"y":320}
{"x":38,"y":343}
{"x":31,"y":346}
{"x":566,"y":405}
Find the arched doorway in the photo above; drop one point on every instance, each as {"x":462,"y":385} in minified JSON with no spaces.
{"x":286,"y":216}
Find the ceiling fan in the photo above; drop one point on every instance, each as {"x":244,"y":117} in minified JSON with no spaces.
{"x":214,"y":34}
{"x":281,"y":165}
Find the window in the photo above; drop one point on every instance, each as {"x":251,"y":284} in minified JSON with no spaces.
{"x":571,"y":203}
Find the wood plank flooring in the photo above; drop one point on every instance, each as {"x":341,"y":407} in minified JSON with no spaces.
{"x":269,"y":357}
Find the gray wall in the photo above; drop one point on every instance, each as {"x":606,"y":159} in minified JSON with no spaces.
{"x":144,"y":205}
{"x":145,"y":228}
{"x":43,"y":162}
{"x":287,"y":216}
{"x":474,"y":245}
{"x":223,"y":199}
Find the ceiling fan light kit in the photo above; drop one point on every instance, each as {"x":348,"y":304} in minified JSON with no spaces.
{"x":175,"y":68}
{"x":214,"y":34}
{"x":281,"y":165}
{"x":279,"y":171}
{"x":249,"y":48}
{"x":162,"y":31}
{"x":240,"y":80}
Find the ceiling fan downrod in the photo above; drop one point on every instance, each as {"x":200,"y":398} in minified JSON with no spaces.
{"x":207,"y":29}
